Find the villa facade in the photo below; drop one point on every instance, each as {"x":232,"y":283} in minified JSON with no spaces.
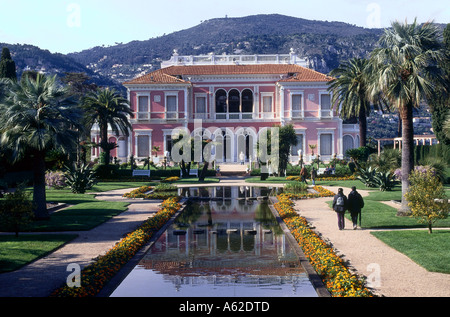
{"x":230,"y":99}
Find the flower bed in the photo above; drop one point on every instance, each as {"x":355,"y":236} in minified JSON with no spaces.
{"x":170,"y":179}
{"x":322,"y":192}
{"x":330,"y":267}
{"x":141,"y":192}
{"x":294,"y":178}
{"x":96,"y":275}
{"x":335,"y":178}
{"x":324,"y":178}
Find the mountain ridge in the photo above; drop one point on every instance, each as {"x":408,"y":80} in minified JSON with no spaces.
{"x":324,"y":44}
{"x":255,"y":34}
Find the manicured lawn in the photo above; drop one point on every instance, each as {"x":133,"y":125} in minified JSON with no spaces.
{"x":376,"y":195}
{"x":347,"y":183}
{"x":16,"y":252}
{"x":269,"y":180}
{"x":428,"y":250}
{"x":83,"y":216}
{"x":337,"y":184}
{"x":85,"y":213}
{"x":67,"y":197}
{"x":106,"y":186}
{"x":376,"y":215}
{"x":195,"y":180}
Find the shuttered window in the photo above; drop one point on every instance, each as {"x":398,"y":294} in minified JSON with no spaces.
{"x":143,"y":107}
{"x":297,"y":106}
{"x":143,"y":146}
{"x":326,"y":147}
{"x":171,"y":107}
{"x":325,"y":105}
{"x":267,"y":104}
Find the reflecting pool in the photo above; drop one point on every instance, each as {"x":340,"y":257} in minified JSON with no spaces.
{"x":226,"y":243}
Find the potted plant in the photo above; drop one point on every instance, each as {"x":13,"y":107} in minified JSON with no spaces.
{"x":155,"y":150}
{"x":312,"y":147}
{"x":218,"y":170}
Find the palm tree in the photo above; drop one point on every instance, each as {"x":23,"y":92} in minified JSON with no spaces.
{"x":447,"y":125}
{"x":37,"y":115}
{"x":287,"y":139}
{"x":110,"y":110}
{"x":406,"y":72}
{"x":349,"y":89}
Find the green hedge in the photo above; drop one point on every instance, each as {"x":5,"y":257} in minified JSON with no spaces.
{"x":436,"y":150}
{"x":294,"y":170}
{"x":113,"y":171}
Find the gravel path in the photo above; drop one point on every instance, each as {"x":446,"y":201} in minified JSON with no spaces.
{"x":391,"y":273}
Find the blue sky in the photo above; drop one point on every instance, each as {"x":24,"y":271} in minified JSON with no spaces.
{"x":73,"y":25}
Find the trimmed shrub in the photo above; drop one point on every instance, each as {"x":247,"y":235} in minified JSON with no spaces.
{"x":16,"y":210}
{"x":80,"y":179}
{"x":55,"y":180}
{"x":426,"y":197}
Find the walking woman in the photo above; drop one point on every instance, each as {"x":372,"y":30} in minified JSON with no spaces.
{"x":304,"y":174}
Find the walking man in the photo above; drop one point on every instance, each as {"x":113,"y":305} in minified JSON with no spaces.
{"x":355,"y":204}
{"x":340,"y":206}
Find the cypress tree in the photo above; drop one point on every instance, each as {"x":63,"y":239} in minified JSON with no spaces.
{"x":439,"y":104}
{"x":7,"y":65}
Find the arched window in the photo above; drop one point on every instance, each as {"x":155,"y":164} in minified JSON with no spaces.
{"x":347,"y":143}
{"x":234,"y":101}
{"x":247,"y":100}
{"x":123,"y":149}
{"x":234,"y":105}
{"x":299,"y":146}
{"x":221,"y":101}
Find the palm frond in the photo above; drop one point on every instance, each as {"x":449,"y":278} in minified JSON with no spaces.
{"x":37,"y":114}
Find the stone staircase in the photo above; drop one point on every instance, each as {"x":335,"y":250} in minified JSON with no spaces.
{"x":233,"y":169}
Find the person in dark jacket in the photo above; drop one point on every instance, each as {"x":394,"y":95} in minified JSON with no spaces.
{"x":340,"y":206}
{"x":355,"y":204}
{"x":304,"y":174}
{"x":313,"y":175}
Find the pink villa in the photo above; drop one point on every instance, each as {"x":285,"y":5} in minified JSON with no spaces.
{"x":230,"y":98}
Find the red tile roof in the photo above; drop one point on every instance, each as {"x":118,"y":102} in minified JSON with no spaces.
{"x":169,"y":75}
{"x":156,"y":77}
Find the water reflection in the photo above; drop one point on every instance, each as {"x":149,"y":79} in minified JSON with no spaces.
{"x":230,"y":245}
{"x":227,"y":192}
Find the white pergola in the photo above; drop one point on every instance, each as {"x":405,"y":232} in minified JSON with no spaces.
{"x":418,"y":139}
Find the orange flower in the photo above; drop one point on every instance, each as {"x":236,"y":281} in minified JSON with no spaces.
{"x":95,"y":275}
{"x":335,"y":275}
